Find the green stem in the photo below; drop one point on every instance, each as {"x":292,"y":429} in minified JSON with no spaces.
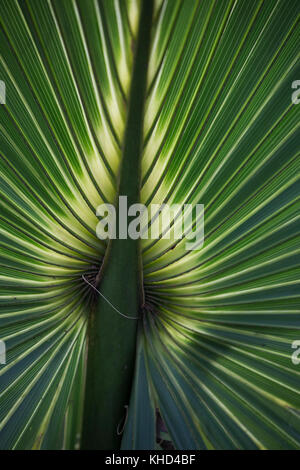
{"x":112,"y":338}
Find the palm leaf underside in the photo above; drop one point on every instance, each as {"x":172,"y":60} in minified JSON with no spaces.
{"x":214,"y":349}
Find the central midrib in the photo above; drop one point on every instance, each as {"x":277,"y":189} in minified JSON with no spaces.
{"x":112,"y":338}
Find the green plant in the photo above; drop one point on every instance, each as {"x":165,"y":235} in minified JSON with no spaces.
{"x":209,"y":120}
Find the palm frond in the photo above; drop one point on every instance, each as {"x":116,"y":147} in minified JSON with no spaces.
{"x":220,"y":129}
